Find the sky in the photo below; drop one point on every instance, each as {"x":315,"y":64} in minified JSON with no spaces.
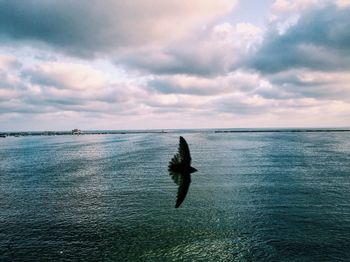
{"x":155,"y":64}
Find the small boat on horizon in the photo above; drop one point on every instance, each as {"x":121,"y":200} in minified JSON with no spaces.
{"x":76,"y":131}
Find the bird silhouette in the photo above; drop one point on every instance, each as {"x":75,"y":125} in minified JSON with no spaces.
{"x":180,"y":170}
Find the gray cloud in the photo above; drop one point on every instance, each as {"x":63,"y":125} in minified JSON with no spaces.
{"x":172,"y":86}
{"x":54,"y":87}
{"x":212,"y":51}
{"x":320,"y":41}
{"x":318,"y":85}
{"x":85,"y":28}
{"x":186,"y":58}
{"x":243,"y":104}
{"x":205,"y":86}
{"x":57,"y":23}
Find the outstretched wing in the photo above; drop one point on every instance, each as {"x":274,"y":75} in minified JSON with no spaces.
{"x":183,"y":157}
{"x":184,"y":152}
{"x":184,"y":181}
{"x":176,"y":171}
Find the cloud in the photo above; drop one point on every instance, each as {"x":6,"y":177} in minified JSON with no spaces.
{"x":203,"y":86}
{"x":242,"y":104}
{"x":282,"y":9}
{"x":86,"y":28}
{"x":210,"y":51}
{"x":172,"y":64}
{"x":320,"y":40}
{"x":8,"y":62}
{"x":9,"y":80}
{"x":66,"y":76}
{"x":7,"y":94}
{"x":51,"y":87}
{"x":343,"y":3}
{"x":286,"y":13}
{"x":311,"y":84}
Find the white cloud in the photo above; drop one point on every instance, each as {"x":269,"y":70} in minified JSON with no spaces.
{"x":343,"y":3}
{"x":8,"y":62}
{"x":204,"y":86}
{"x":67,"y":76}
{"x":292,"y":6}
{"x":210,"y":51}
{"x":7,"y":94}
{"x":286,"y":13}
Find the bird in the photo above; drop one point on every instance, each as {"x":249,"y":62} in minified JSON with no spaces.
{"x":180,"y":170}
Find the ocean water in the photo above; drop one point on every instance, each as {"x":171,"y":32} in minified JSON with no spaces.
{"x":256,"y":197}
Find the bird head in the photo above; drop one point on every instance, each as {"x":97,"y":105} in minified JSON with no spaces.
{"x":192,"y":170}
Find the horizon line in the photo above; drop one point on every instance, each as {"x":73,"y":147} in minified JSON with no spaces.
{"x":163,"y":130}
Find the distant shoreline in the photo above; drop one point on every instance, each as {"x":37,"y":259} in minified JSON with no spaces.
{"x":64,"y":133}
{"x":119,"y":132}
{"x":283,"y":131}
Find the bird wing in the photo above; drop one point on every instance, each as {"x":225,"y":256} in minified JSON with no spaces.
{"x":184,"y":181}
{"x":175,"y":168}
{"x":175,"y":176}
{"x":184,"y":152}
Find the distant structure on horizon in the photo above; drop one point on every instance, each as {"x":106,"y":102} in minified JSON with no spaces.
{"x":76,"y":131}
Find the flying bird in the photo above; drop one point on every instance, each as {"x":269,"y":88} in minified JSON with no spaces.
{"x":180,"y":170}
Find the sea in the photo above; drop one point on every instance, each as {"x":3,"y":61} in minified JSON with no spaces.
{"x":267,"y":195}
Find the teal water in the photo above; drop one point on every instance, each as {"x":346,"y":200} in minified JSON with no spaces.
{"x":256,"y":197}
